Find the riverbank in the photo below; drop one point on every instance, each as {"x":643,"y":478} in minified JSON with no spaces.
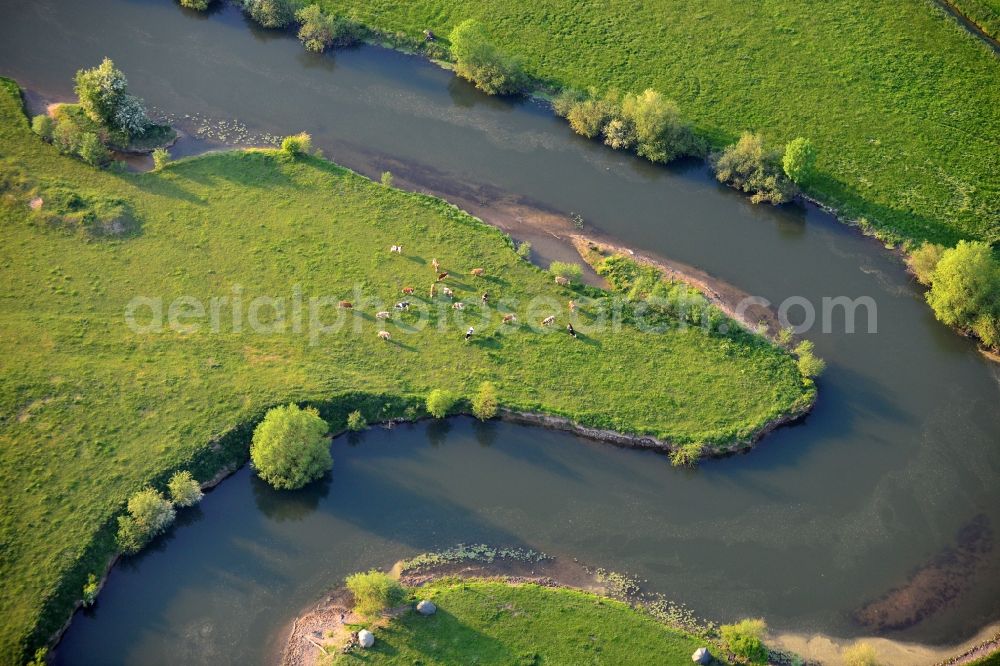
{"x":79,"y":369}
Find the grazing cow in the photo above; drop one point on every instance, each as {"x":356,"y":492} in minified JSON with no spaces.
{"x":402,"y":305}
{"x":486,"y":297}
{"x":397,"y":249}
{"x":384,"y":335}
{"x":548,"y":320}
{"x":572,"y":306}
{"x":569,"y":327}
{"x":509,"y":319}
{"x":560,"y":280}
{"x":449,"y":293}
{"x":468,"y":333}
{"x":435,"y":264}
{"x":458,"y":306}
{"x":442,"y":276}
{"x":478,"y":272}
{"x":345,"y":304}
{"x":382,"y":315}
{"x":407,"y":290}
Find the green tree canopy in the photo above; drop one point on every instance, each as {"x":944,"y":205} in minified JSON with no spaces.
{"x":289,"y":447}
{"x":799,"y":160}
{"x":966,"y":284}
{"x":440,"y":402}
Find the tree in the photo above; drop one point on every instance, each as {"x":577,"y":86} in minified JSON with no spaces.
{"x":375,"y":592}
{"x":92,"y":151}
{"x":590,"y":116}
{"x":161,"y":158}
{"x":924,"y":260}
{"x":149,"y":513}
{"x":440,"y":402}
{"x":316,"y":32}
{"x":965,"y":284}
{"x":386,"y":179}
{"x":619,"y":133}
{"x":356,"y":421}
{"x":485,"y":404}
{"x":200,"y":5}
{"x":296,"y":144}
{"x":66,"y":136}
{"x":103,"y":94}
{"x":130,"y":116}
{"x":660,"y":133}
{"x":184,"y":490}
{"x":799,"y":160}
{"x":90,"y":590}
{"x":289,"y":447}
{"x":479,"y":61}
{"x":748,"y":166}
{"x":270,"y":13}
{"x":809,"y":364}
{"x":745,"y":640}
{"x":43,"y":126}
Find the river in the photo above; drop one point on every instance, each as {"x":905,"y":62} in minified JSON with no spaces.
{"x":895,"y":472}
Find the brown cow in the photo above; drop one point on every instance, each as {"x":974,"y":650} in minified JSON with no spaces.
{"x":345,"y":304}
{"x":509,"y":319}
{"x":560,"y":280}
{"x":478,"y":272}
{"x":442,"y":276}
{"x":407,"y":290}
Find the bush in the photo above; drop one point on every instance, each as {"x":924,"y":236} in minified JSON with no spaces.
{"x":92,"y":151}
{"x":987,"y":328}
{"x":161,"y":158}
{"x":566,"y":269}
{"x":744,"y":639}
{"x":356,"y":421}
{"x":799,"y":160}
{"x":809,"y":364}
{"x":90,"y":590}
{"x":660,"y":134}
{"x":524,"y":250}
{"x":200,"y":5}
{"x":686,"y":455}
{"x":440,"y":402}
{"x":289,"y":447}
{"x":588,"y":117}
{"x":297,"y":144}
{"x":42,"y":125}
{"x":479,"y":61}
{"x":375,"y":592}
{"x":386,"y":179}
{"x":860,"y":654}
{"x":619,"y":133}
{"x":184,"y":490}
{"x":66,"y":136}
{"x":924,"y":260}
{"x":748,"y":167}
{"x":320,"y":31}
{"x":965,"y":285}
{"x":149,"y":513}
{"x":485,"y":405}
{"x":103,"y":95}
{"x":270,"y":13}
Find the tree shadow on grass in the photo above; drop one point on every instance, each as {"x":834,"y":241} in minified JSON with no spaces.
{"x":429,"y":636}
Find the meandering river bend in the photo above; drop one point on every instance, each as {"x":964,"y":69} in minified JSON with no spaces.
{"x":886,"y":495}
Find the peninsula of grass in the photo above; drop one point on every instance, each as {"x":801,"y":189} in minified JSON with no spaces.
{"x":489,"y":622}
{"x":92,"y":410}
{"x":898,"y":98}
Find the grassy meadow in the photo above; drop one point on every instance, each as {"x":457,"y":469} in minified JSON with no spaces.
{"x":485,"y":622}
{"x":984,"y":13}
{"x":899,"y":100}
{"x":90,"y":410}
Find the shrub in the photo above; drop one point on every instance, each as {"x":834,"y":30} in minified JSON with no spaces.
{"x":860,"y":654}
{"x":744,"y":639}
{"x":103,"y":95}
{"x":566,"y":100}
{"x":289,"y":447}
{"x":924,"y":260}
{"x":161,"y":158}
{"x":375,"y":592}
{"x":90,"y":590}
{"x":809,"y":364}
{"x":320,"y":31}
{"x":184,"y":490}
{"x":660,"y":134}
{"x":66,"y":136}
{"x":479,"y":61}
{"x":619,"y":133}
{"x":965,"y":285}
{"x":92,"y":151}
{"x":524,"y":250}
{"x":41,"y":657}
{"x":356,"y":421}
{"x":748,"y":167}
{"x":566,"y":269}
{"x":270,"y":13}
{"x":485,"y":404}
{"x":149,"y":513}
{"x":799,"y":160}
{"x":987,"y":328}
{"x":588,"y":117}
{"x":42,"y":125}
{"x":296,"y":144}
{"x":686,"y":455}
{"x":386,"y":179}
{"x":440,"y":402}
{"x":785,"y":336}
{"x":200,"y":5}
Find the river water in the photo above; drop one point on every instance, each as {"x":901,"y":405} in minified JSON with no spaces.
{"x":895,"y":473}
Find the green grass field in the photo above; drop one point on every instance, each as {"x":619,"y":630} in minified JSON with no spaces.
{"x":481,"y":622}
{"x":900,"y":101}
{"x":92,"y":411}
{"x":984,"y":13}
